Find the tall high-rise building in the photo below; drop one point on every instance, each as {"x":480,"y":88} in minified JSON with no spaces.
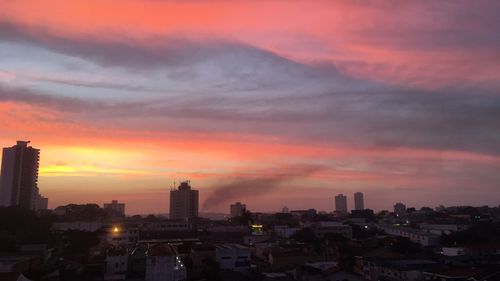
{"x":341,"y":203}
{"x":183,"y":202}
{"x":399,"y":208}
{"x":115,"y":207}
{"x":237,"y":209}
{"x":19,"y":182}
{"x":359,"y":203}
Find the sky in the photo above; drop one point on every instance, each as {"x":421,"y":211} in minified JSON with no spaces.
{"x":271,"y":103}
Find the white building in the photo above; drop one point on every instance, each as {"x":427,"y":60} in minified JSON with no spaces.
{"x":359,"y":203}
{"x":233,"y":257}
{"x":341,"y":203}
{"x":121,"y":236}
{"x":323,"y":228}
{"x":183,"y":202}
{"x":237,"y":209}
{"x":164,"y":264}
{"x":415,"y":235}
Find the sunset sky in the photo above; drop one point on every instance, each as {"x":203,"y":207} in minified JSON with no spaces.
{"x":280,"y":102}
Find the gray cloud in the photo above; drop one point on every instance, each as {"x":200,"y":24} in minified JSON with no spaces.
{"x":258,"y":92}
{"x":431,"y":25}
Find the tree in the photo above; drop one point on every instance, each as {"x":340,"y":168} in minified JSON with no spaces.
{"x":305,"y":235}
{"x":478,"y":233}
{"x":403,"y":245}
{"x":211,"y":270}
{"x":78,"y":243}
{"x":411,"y":210}
{"x":245,"y":218}
{"x":19,"y":226}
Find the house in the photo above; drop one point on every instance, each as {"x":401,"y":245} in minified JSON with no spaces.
{"x":164,"y":264}
{"x":116,"y":264}
{"x":233,"y":257}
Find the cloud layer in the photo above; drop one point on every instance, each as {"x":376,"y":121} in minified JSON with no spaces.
{"x":417,"y":78}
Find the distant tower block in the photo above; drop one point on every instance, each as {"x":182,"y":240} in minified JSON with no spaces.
{"x":359,"y":203}
{"x":183,"y":202}
{"x":341,"y":203}
{"x":237,"y":209}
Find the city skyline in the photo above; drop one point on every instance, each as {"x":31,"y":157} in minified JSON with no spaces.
{"x":186,"y":199}
{"x":272,"y":104}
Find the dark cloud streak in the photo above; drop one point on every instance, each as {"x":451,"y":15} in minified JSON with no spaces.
{"x":252,"y":187}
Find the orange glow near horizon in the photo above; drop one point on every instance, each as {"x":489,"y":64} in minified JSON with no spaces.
{"x":397,"y":100}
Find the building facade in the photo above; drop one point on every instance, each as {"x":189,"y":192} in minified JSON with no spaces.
{"x":237,"y":209}
{"x":19,"y":182}
{"x":183,"y":202}
{"x":324,"y":228}
{"x":341,"y":203}
{"x":400,"y":208}
{"x":233,"y":257}
{"x":42,"y":203}
{"x":115,"y":207}
{"x":163,"y":263}
{"x":359,"y":203}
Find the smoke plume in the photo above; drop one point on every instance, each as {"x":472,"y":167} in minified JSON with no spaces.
{"x":245,"y":187}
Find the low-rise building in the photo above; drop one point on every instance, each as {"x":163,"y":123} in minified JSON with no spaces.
{"x":423,"y":238}
{"x":323,"y":228}
{"x":283,"y":259}
{"x":90,"y":226}
{"x":395,"y":269}
{"x":115,"y":208}
{"x":285,"y":231}
{"x":116,"y":264}
{"x":13,"y":276}
{"x":200,"y":255}
{"x":462,"y":273}
{"x":118,"y":235}
{"x":233,"y":257}
{"x":164,"y":264}
{"x":166,"y":225}
{"x":18,"y":262}
{"x":440,"y":229}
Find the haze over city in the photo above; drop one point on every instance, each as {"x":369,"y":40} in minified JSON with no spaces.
{"x":272,"y":103}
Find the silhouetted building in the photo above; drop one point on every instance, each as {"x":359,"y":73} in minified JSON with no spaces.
{"x":163,"y":263}
{"x":19,"y":182}
{"x":183,"y":202}
{"x":341,"y":203}
{"x":399,"y":208}
{"x":42,"y":203}
{"x":359,"y":203}
{"x":115,"y":207}
{"x":285,"y":210}
{"x":237,"y":209}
